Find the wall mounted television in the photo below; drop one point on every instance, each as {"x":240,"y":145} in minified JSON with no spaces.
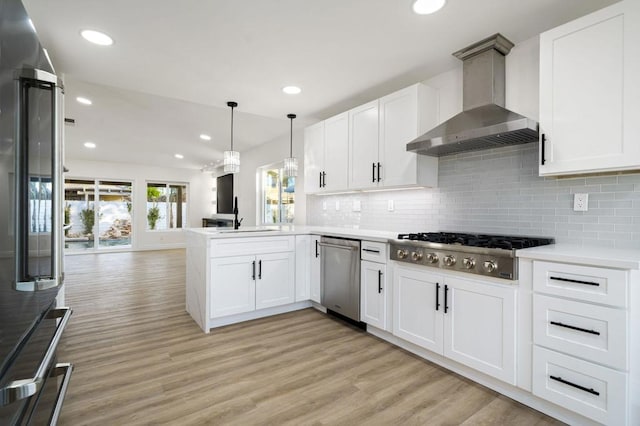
{"x":224,"y":194}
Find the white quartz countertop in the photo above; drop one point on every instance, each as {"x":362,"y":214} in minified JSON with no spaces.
{"x":590,"y":255}
{"x":264,"y":231}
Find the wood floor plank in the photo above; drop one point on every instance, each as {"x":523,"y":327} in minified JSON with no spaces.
{"x":140,"y":359}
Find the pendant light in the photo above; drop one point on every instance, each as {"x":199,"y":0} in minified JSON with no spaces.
{"x":291,"y":163}
{"x":232,"y":158}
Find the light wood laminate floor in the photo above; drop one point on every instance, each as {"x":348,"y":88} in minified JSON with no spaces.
{"x":140,"y":359}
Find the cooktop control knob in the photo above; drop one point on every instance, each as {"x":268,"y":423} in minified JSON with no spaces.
{"x":469,"y":262}
{"x":401,"y":253}
{"x":449,"y":260}
{"x":432,"y":258}
{"x":490,"y":266}
{"x":416,"y":256}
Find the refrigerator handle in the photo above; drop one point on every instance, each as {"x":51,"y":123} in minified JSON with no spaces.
{"x":21,"y":389}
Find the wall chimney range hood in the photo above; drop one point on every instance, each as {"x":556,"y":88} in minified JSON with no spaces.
{"x":484,"y":122}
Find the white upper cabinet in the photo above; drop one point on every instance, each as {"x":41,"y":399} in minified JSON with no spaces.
{"x":405,"y":115}
{"x":589,"y":93}
{"x":363,"y":146}
{"x":325,"y":155}
{"x":378,"y":135}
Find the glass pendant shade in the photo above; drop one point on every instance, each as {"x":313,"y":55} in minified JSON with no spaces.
{"x":231,"y":160}
{"x":291,"y":163}
{"x":291,"y":167}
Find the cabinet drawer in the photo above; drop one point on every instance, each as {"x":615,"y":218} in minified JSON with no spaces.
{"x":599,"y":285}
{"x":597,"y":392}
{"x":373,"y":251}
{"x":595,"y":333}
{"x":223,"y":247}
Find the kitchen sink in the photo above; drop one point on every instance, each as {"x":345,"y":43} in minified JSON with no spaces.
{"x":232,"y":231}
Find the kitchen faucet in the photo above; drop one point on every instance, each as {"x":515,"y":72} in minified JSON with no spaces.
{"x":236,"y":222}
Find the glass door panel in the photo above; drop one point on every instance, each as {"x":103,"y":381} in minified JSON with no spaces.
{"x":79,"y":214}
{"x":114,"y":214}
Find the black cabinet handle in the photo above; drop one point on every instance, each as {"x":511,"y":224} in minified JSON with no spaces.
{"x":569,"y":280}
{"x":379,"y":281}
{"x":582,"y":388}
{"x":324,"y":179}
{"x":253,"y":269}
{"x":373,"y":172}
{"x":260,"y":269}
{"x":542,"y":142}
{"x":320,"y":181}
{"x":371,"y":251}
{"x":437,"y":296}
{"x":446,"y":291}
{"x":379,"y":168}
{"x":317,"y":252}
{"x":573,"y":327}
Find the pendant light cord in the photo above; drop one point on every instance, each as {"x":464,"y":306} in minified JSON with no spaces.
{"x":291,"y":117}
{"x":232,"y":105}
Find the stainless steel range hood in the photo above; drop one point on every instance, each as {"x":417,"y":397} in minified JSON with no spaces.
{"x":484,"y":122}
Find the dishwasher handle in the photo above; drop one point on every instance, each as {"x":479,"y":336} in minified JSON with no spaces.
{"x":350,"y":248}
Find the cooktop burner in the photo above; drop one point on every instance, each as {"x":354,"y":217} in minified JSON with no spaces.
{"x":482,"y":254}
{"x":507,"y":242}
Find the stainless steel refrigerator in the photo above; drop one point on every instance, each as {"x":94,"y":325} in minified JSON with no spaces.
{"x":32,"y":381}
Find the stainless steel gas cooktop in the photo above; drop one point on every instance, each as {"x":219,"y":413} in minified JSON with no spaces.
{"x":483,"y":254}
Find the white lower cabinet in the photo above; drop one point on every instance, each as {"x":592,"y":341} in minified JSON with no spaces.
{"x":373,"y":294}
{"x":303,"y":268}
{"x":275,"y":280}
{"x":315,"y":267}
{"x":469,"y":321}
{"x":233,"y":288}
{"x":260,"y":279}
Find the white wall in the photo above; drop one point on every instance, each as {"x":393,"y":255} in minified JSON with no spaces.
{"x":200,"y":196}
{"x":245,"y":183}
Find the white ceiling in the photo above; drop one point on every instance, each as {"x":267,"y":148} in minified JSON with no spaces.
{"x":195,"y":55}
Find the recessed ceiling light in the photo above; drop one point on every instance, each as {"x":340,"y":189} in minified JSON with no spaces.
{"x":291,"y":90}
{"x":89,"y":145}
{"x":205,"y":137}
{"x":84,"y":101}
{"x":97,"y":37}
{"x":425,"y":7}
{"x":178,"y":156}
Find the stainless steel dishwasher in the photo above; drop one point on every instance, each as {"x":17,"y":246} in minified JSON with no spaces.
{"x":340,"y":276}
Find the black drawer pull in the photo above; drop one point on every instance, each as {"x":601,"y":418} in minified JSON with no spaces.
{"x":373,"y":172}
{"x":542,"y":159}
{"x":253,"y":270}
{"x":573,"y":327}
{"x":317,"y":252}
{"x":371,"y":251}
{"x":379,"y":282}
{"x":569,"y":280}
{"x":582,"y":388}
{"x":446,"y":306}
{"x":437,"y":296}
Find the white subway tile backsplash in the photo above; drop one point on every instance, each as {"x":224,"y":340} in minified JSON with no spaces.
{"x":499,"y":191}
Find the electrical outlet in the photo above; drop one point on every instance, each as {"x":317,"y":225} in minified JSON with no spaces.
{"x":390,"y":206}
{"x":357,"y":206}
{"x":324,"y":205}
{"x":337,"y":205}
{"x":580,"y":202}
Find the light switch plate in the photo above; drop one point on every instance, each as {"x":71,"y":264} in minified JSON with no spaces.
{"x":390,"y":206}
{"x":580,"y":202}
{"x":357,"y":205}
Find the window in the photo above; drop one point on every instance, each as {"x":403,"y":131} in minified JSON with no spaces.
{"x":166,"y":206}
{"x":278,"y":193}
{"x":101,"y":221}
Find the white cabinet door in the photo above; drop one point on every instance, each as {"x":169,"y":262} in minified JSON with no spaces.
{"x":480,"y":326}
{"x":303,"y":267}
{"x":404,"y":115}
{"x":313,"y":157}
{"x":275,"y":279}
{"x":417,"y":310}
{"x":315,"y":269}
{"x":336,"y":153}
{"x":373,"y":294}
{"x":363,"y":146}
{"x":233,"y":288}
{"x":589,"y":71}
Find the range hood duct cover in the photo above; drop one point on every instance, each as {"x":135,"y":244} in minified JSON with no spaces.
{"x":484,"y":122}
